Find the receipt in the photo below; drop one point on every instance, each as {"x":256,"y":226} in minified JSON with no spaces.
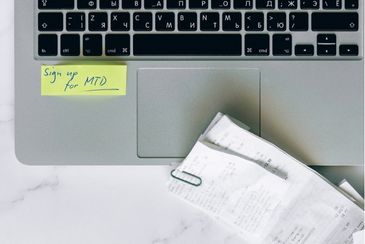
{"x":312,"y":210}
{"x":234,"y":190}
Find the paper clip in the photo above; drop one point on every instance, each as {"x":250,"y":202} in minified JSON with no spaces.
{"x":187,"y":176}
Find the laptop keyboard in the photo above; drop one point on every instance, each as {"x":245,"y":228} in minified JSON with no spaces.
{"x":238,"y":29}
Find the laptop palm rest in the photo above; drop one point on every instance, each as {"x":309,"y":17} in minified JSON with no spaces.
{"x":175,"y":105}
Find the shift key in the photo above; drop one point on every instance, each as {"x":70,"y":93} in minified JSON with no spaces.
{"x":335,"y":21}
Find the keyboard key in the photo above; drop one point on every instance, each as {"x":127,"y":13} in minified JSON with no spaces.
{"x":351,"y":4}
{"x":349,"y":50}
{"x":331,"y":4}
{"x":153,"y":4}
{"x":86,"y":4}
{"x":131,"y":4}
{"x":221,"y":4}
{"x":254,"y":21}
{"x":117,"y":45}
{"x":304,"y":50}
{"x":243,"y":4}
{"x":298,"y":21}
{"x":92,"y":45}
{"x":75,"y":21}
{"x":109,"y":4}
{"x":70,"y":45}
{"x":50,"y":21}
{"x":282,"y":45}
{"x":47,"y":45}
{"x":326,"y":39}
{"x":187,"y":21}
{"x":326,"y":50}
{"x":209,"y":21}
{"x":309,"y":4}
{"x":165,"y":21}
{"x":288,"y":4}
{"x":326,"y":44}
{"x":265,"y":4}
{"x":56,"y":4}
{"x":98,"y":21}
{"x":257,"y":45}
{"x":232,"y":21}
{"x":198,"y":4}
{"x":176,"y":4}
{"x":276,"y":21}
{"x":187,"y":44}
{"x":335,"y":21}
{"x":120,"y":21}
{"x":142,"y":21}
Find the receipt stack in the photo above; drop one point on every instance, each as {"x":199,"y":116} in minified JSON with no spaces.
{"x":261,"y":192}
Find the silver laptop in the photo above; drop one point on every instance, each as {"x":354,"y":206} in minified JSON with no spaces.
{"x":292,"y":70}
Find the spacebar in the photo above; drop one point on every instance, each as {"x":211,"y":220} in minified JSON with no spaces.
{"x":187,"y":44}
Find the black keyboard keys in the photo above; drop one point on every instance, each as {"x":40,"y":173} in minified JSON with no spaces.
{"x":98,"y":21}
{"x":86,"y":4}
{"x":75,"y":21}
{"x":265,"y":4}
{"x":117,"y":45}
{"x":47,"y":45}
{"x":257,"y":45}
{"x":221,"y":4}
{"x":142,"y":21}
{"x":326,"y":50}
{"x":198,"y":4}
{"x":288,"y":4}
{"x":304,"y":50}
{"x":331,"y":4}
{"x":187,"y":21}
{"x":298,"y":21}
{"x":351,"y":4}
{"x":232,"y":21}
{"x":243,"y":4}
{"x":335,"y":21}
{"x":131,"y":4}
{"x":276,"y":21}
{"x":56,"y":4}
{"x":326,"y":39}
{"x":50,"y":21}
{"x":349,"y":50}
{"x":120,"y":21}
{"x":326,"y":45}
{"x":70,"y":45}
{"x":282,"y":45}
{"x":165,"y":21}
{"x":187,"y":44}
{"x":254,"y":21}
{"x":153,"y":4}
{"x":109,"y":4}
{"x":92,"y":45}
{"x":209,"y":21}
{"x":176,"y":4}
{"x":309,"y":4}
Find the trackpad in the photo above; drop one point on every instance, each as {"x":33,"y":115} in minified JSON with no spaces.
{"x":176,"y":105}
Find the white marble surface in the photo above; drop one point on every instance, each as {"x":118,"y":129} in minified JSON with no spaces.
{"x":95,"y":204}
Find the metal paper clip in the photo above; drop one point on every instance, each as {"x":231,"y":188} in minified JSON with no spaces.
{"x":186,"y":176}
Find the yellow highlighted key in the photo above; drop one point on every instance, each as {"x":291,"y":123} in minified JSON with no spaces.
{"x":66,"y":80}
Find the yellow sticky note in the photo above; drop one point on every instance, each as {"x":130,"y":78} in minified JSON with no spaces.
{"x":65,"y":80}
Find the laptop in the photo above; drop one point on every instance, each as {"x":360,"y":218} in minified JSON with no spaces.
{"x":292,"y":70}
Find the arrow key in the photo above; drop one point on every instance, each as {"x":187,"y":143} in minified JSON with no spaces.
{"x":326,"y":50}
{"x":349,"y":50}
{"x":304,"y":50}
